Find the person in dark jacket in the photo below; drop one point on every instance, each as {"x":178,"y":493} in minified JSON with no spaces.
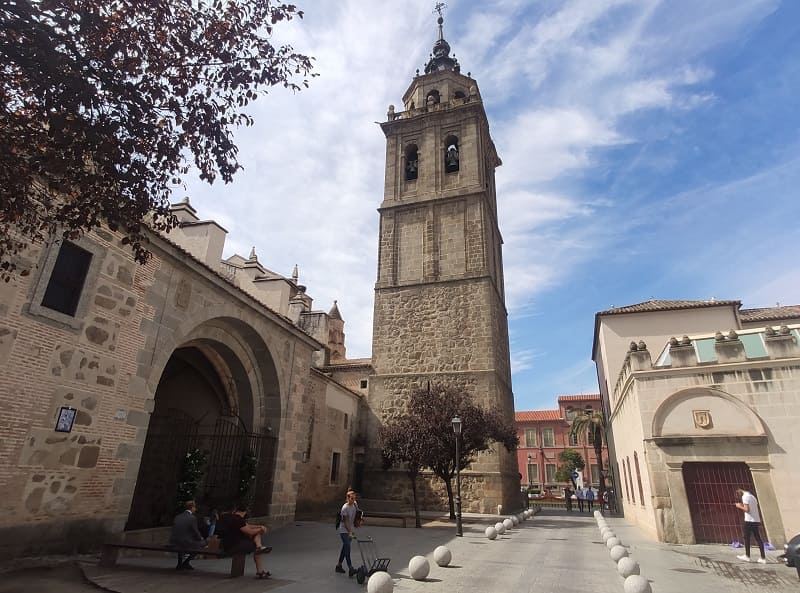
{"x":240,"y":537}
{"x":186,"y":536}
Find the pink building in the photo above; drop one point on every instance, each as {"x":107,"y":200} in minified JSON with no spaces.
{"x":543,"y":434}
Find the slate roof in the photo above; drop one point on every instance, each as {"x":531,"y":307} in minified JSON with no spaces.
{"x":667,"y":305}
{"x":537,"y":415}
{"x":770,"y":313}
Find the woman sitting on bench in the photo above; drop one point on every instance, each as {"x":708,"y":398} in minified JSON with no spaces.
{"x":239,"y":537}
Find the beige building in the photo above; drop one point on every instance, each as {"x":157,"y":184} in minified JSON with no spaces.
{"x":702,"y":397}
{"x":110,"y":372}
{"x":440,"y":313}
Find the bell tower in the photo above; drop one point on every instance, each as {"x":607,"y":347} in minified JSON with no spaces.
{"x":440,"y":311}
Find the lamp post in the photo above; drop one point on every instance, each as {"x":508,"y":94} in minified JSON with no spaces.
{"x":530,"y":481}
{"x":456,"y":422}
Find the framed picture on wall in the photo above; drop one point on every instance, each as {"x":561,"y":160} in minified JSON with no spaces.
{"x":66,"y":418}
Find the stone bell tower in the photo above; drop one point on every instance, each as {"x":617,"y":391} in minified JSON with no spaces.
{"x":440,"y":311}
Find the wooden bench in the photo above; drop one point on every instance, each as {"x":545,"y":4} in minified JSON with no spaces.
{"x":379,"y":515}
{"x":110,"y":554}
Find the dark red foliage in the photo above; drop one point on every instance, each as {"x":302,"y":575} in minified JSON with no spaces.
{"x":105,"y":105}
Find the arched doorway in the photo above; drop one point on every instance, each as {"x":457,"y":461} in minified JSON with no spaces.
{"x":217,"y":401}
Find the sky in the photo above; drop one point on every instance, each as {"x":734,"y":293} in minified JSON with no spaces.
{"x":650,"y":148}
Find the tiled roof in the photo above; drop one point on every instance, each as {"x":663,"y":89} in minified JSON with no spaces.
{"x":537,"y":415}
{"x":579,"y":398}
{"x":664,"y":305}
{"x":770,"y":313}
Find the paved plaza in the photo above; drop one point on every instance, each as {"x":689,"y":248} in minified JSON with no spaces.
{"x":555,"y":552}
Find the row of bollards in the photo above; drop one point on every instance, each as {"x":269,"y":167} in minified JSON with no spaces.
{"x":419,"y":568}
{"x":627,"y":567}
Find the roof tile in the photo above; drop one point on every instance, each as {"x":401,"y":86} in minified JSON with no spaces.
{"x":665,"y":305}
{"x":537,"y":415}
{"x":770,"y":313}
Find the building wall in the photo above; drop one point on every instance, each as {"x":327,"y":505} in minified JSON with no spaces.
{"x":754,"y":406}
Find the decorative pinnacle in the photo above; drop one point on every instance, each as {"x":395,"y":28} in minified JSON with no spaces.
{"x":439,"y":7}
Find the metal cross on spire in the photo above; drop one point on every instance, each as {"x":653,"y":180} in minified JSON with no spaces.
{"x":439,"y":7}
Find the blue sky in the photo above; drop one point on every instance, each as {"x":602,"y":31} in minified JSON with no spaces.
{"x":651,"y":149}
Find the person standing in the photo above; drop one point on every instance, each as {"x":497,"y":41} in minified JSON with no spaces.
{"x":186,"y":536}
{"x":568,"y":498}
{"x":590,"y":498}
{"x":579,"y":493}
{"x":346,"y":530}
{"x":752,"y":521}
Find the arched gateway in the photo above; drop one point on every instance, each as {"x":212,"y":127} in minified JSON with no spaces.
{"x":217,"y":399}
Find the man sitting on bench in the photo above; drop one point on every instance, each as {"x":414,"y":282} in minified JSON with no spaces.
{"x":239,"y":537}
{"x":186,"y":536}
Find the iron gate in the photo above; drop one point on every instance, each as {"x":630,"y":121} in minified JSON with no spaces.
{"x":710,"y":489}
{"x":170,"y":437}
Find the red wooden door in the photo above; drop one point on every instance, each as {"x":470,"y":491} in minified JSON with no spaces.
{"x":711,"y":490}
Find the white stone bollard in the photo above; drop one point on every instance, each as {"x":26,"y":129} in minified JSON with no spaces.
{"x":442,"y":555}
{"x":419,"y":568}
{"x":636,"y":583}
{"x":618,"y":552}
{"x":626,"y":566}
{"x":514,"y":519}
{"x":508,"y":524}
{"x":491,"y":532}
{"x":501,"y":529}
{"x":598,"y":514}
{"x":601,"y":523}
{"x":380,"y":582}
{"x":613,"y":541}
{"x":607,"y":535}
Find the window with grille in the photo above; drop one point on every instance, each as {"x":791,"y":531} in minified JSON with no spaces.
{"x":530,"y":437}
{"x":550,"y":472}
{"x":573,"y":440}
{"x":336,"y":460}
{"x":548,"y":439}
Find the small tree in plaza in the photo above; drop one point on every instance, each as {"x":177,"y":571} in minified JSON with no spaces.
{"x":570,"y":462}
{"x":431,"y":410}
{"x":404,"y":441}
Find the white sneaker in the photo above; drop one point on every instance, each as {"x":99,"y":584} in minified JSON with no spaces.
{"x":744,"y":558}
{"x":762,"y":560}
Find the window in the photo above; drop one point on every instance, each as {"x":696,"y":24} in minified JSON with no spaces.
{"x":571,"y":413}
{"x":638,"y":478}
{"x":630,"y":480}
{"x":533,"y":473}
{"x":590,"y":437}
{"x":364,"y":383}
{"x":432,"y":98}
{"x":595,"y":473}
{"x":550,"y":472}
{"x":451,"y":158}
{"x":621,"y":476}
{"x":412,"y":162}
{"x":346,"y":419}
{"x":548,"y":440}
{"x":66,"y":282}
{"x":530,"y":437}
{"x":459,"y":95}
{"x":573,"y":440}
{"x":336,"y":459}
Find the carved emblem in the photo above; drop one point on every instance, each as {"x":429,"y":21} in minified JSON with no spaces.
{"x":702,"y":418}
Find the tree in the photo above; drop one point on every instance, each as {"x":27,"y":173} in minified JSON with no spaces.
{"x":403,"y":442}
{"x":571,"y":461}
{"x":591,"y":425}
{"x":105,"y":105}
{"x":431,"y":410}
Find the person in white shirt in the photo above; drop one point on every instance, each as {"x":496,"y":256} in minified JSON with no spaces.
{"x":752,"y":521}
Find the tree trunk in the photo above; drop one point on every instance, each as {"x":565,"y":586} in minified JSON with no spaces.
{"x":449,"y":485}
{"x":417,"y":522}
{"x":599,"y":452}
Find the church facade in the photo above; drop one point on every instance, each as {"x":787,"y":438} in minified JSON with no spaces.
{"x":118,"y":378}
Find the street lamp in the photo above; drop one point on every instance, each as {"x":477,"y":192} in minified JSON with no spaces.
{"x":530,"y":481}
{"x":456,"y":422}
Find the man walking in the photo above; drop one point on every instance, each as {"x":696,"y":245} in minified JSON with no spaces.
{"x":752,"y":521}
{"x":590,"y":497}
{"x":579,"y":494}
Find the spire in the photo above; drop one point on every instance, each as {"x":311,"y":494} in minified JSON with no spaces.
{"x":334,"y":312}
{"x":440,"y":58}
{"x":253,"y":256}
{"x":295,"y":274}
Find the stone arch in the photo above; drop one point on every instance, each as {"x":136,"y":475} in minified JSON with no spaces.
{"x":217,"y":390}
{"x":680,"y":414}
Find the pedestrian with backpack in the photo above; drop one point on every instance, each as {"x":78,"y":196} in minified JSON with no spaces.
{"x":346,"y":529}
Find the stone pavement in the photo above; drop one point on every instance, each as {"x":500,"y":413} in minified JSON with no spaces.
{"x":555,"y":552}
